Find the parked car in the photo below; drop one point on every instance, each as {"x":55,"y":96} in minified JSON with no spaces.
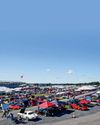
{"x":84,"y":101}
{"x":29,"y":115}
{"x":95,"y":103}
{"x":83,"y":107}
{"x":75,"y":106}
{"x":98,"y":100}
{"x":15,"y":106}
{"x":79,"y":107}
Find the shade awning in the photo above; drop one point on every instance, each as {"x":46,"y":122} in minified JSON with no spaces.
{"x":46,"y":105}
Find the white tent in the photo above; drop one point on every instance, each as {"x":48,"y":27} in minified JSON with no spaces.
{"x":58,"y":86}
{"x":60,"y":93}
{"x":5,"y":89}
{"x":98,"y":92}
{"x":86,"y":88}
{"x":17,"y":89}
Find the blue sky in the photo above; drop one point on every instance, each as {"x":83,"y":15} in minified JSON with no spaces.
{"x":50,"y":41}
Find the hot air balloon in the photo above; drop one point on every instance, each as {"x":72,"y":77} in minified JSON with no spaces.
{"x":21,"y":76}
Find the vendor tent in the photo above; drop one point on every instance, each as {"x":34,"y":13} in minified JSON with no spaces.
{"x":5,"y":89}
{"x":98,"y":92}
{"x":17,"y":89}
{"x":55,"y":102}
{"x":82,"y":88}
{"x":46,"y":105}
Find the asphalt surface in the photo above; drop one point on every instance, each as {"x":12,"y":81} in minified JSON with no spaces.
{"x":43,"y":120}
{"x":61,"y":117}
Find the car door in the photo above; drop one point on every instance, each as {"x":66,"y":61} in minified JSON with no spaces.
{"x":25,"y":115}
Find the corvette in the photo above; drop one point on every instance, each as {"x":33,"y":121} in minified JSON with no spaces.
{"x":15,"y":107}
{"x":79,"y":107}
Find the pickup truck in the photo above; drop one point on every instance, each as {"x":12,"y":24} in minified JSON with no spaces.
{"x":29,"y":115}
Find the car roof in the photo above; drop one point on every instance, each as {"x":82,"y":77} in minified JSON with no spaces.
{"x":28,"y":111}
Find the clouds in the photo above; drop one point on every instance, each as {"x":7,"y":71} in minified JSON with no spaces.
{"x":70,"y":72}
{"x":48,"y":70}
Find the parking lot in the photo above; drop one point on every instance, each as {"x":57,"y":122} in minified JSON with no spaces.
{"x":61,"y":117}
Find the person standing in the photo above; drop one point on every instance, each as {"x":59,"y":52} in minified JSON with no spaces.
{"x":4,"y":111}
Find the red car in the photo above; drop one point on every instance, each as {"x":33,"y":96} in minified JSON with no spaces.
{"x":83,"y":101}
{"x":15,"y":107}
{"x":98,"y":100}
{"x":79,"y":107}
{"x":83,"y":107}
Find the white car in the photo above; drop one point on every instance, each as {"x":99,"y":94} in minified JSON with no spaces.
{"x":29,"y":115}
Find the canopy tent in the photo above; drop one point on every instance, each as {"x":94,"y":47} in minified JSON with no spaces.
{"x":5,"y":89}
{"x":58,"y":86}
{"x":55,"y":102}
{"x":89,"y":98}
{"x":17,"y":89}
{"x":98,"y":92}
{"x":46,"y":105}
{"x":60,"y":93}
{"x":86,"y":88}
{"x":95,"y":94}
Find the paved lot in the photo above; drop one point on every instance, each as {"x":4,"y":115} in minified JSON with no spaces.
{"x":46,"y":120}
{"x":92,"y":119}
{"x":62,"y":117}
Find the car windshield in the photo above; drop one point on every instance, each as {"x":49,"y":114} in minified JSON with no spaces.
{"x":30,"y":113}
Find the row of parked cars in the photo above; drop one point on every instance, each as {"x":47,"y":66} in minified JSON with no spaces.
{"x":60,"y":106}
{"x":75,"y":104}
{"x":79,"y":104}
